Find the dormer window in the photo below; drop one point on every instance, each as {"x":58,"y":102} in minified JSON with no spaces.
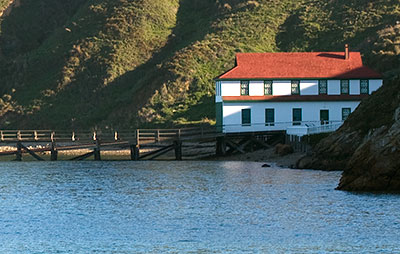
{"x":268,"y":87}
{"x":323,"y":86}
{"x":364,"y":86}
{"x":244,"y":87}
{"x":295,"y":87}
{"x":344,"y":86}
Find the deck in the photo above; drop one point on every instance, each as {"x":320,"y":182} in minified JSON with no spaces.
{"x":142,"y":143}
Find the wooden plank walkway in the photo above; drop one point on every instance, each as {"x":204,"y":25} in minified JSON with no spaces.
{"x":140,"y":136}
{"x":159,"y":141}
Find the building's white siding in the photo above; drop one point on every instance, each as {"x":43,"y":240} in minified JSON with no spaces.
{"x":218,"y":97}
{"x":333,"y":87}
{"x":309,"y":87}
{"x":374,"y":85}
{"x":230,"y":88}
{"x":283,"y":114}
{"x":231,"y":111}
{"x":355,"y":86}
{"x":256,"y":88}
{"x":281,"y":87}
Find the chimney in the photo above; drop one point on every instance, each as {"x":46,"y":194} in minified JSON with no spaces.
{"x":346,"y":52}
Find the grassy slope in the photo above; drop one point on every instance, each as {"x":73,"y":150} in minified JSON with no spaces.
{"x":327,"y":25}
{"x":315,"y":26}
{"x":3,"y":4}
{"x":124,"y":63}
{"x":184,"y":89}
{"x":100,"y":41}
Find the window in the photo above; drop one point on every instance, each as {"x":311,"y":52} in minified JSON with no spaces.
{"x":295,"y":87}
{"x":324,"y":116}
{"x":323,"y":86}
{"x":244,"y":87}
{"x":297,"y":116}
{"x":268,"y":87}
{"x":344,"y":86}
{"x":269,"y":117}
{"x":345,"y":113}
{"x":246,"y":117}
{"x":364,"y":87}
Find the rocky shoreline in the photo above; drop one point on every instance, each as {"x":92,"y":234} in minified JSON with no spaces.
{"x":366,"y":147}
{"x":268,"y":156}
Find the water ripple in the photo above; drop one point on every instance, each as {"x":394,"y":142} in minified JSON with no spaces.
{"x":190,"y":207}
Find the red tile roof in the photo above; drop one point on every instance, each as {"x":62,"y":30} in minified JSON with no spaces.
{"x":299,"y":65}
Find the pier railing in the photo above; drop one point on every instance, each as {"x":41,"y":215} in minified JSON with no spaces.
{"x":138,"y":135}
{"x":144,"y":136}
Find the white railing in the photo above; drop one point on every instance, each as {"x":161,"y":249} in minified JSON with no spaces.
{"x":293,"y":128}
{"x":330,"y":127}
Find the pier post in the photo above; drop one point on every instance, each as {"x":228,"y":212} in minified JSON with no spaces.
{"x":135,"y":148}
{"x":135,"y":152}
{"x":178,"y":150}
{"x":53,"y":152}
{"x":221,"y":146}
{"x":96,"y":151}
{"x":19,"y":151}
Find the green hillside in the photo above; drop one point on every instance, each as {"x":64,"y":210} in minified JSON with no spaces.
{"x":3,"y":4}
{"x":121,"y":63}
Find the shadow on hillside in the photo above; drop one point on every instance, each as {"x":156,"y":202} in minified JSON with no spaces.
{"x":300,"y":34}
{"x":291,"y":34}
{"x":196,"y":112}
{"x":29,"y":24}
{"x":194,"y":20}
{"x":293,"y":37}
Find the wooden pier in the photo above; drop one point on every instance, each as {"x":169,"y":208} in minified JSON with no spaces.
{"x":142,"y":144}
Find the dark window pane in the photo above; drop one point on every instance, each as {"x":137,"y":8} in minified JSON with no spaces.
{"x":364,"y":86}
{"x":297,"y":116}
{"x":345,"y":113}
{"x":269,"y":116}
{"x":344,"y":86}
{"x":324,"y":116}
{"x":268,"y":87}
{"x":295,"y":87}
{"x":323,"y":86}
{"x":246,"y":116}
{"x":244,"y":87}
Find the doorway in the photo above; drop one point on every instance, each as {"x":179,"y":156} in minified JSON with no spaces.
{"x":324,"y":116}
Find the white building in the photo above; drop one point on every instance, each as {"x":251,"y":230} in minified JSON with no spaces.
{"x":301,"y":93}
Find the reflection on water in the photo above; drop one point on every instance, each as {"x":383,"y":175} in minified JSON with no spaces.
{"x":201,"y":207}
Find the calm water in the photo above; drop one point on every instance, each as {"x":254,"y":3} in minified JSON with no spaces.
{"x":188,"y":207}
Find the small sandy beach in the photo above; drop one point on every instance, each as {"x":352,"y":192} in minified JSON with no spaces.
{"x":267,"y":156}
